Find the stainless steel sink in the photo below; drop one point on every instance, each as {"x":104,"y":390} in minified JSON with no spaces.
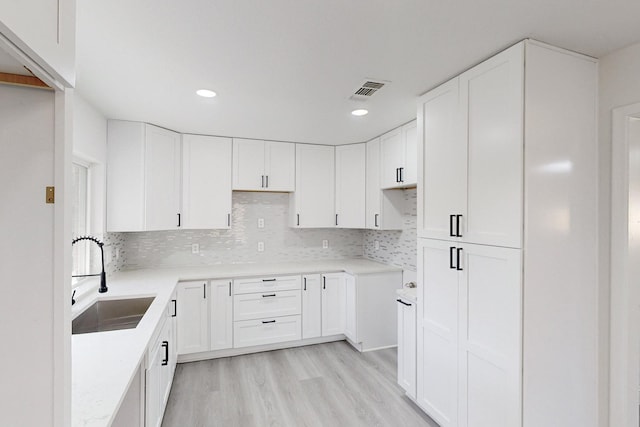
{"x":111,"y":315}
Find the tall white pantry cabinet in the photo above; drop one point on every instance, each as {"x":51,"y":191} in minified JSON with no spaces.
{"x":507,"y":248}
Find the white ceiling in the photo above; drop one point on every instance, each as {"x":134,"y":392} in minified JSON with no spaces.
{"x":284,"y":69}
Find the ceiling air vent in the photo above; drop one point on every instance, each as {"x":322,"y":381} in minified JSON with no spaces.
{"x":367,"y":89}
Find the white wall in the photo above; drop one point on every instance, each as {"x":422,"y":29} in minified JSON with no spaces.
{"x":30,"y":359}
{"x":90,"y":145}
{"x":619,"y":85}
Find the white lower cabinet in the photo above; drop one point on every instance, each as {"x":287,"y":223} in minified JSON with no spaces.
{"x":204,"y":313}
{"x":248,"y":333}
{"x":333,"y":304}
{"x":161,"y":363}
{"x":267,"y":310}
{"x":470,"y":333}
{"x":351,"y":308}
{"x":407,"y":346}
{"x":311,"y":306}
{"x":193,"y":317}
{"x":221,"y":315}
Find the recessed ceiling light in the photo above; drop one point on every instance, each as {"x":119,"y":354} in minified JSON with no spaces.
{"x":206,"y":93}
{"x":360,"y":112}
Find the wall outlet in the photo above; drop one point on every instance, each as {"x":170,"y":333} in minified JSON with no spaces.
{"x":376,"y":245}
{"x":325,"y":244}
{"x":195,"y":248}
{"x":117,"y":253}
{"x":260,"y":222}
{"x":260,"y":246}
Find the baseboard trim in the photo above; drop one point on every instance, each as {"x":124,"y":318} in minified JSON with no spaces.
{"x":229,"y":352}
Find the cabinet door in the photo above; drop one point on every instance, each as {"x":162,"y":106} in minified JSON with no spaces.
{"x":373,"y":191}
{"x":162,"y":179}
{"x":248,"y":165}
{"x":351,"y":308}
{"x":193,"y":317}
{"x":493,"y":95}
{"x":350,"y":186}
{"x":280,"y":166}
{"x":409,"y":173}
{"x":442,"y":154}
{"x":407,"y":346}
{"x":206,"y":182}
{"x":333,"y":304}
{"x":311,"y":306}
{"x":437,"y":332}
{"x":153,"y":387}
{"x":392,"y":158}
{"x":314,"y":196}
{"x":490,"y":341}
{"x":221,"y":303}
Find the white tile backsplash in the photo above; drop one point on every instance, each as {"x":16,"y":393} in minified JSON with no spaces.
{"x":240,"y":243}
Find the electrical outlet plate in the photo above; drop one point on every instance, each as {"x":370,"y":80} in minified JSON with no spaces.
{"x":260,"y":246}
{"x":376,"y":245}
{"x":195,"y":248}
{"x":325,"y":244}
{"x":260,"y":222}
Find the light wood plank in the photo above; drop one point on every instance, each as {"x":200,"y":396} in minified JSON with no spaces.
{"x":318,"y":385}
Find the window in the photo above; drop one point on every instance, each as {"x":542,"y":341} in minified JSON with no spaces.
{"x":80,"y":218}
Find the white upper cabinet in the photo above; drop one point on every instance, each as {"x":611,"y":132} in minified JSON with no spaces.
{"x":143,"y":177}
{"x":399,"y":157}
{"x":350,"y":186}
{"x":383,"y":208}
{"x":206,"y":182}
{"x":263,"y":165}
{"x":312,"y":204}
{"x":471,"y":155}
{"x":44,"y":29}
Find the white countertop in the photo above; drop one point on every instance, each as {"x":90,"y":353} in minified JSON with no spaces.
{"x":104,"y":363}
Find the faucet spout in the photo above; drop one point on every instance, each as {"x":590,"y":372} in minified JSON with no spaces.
{"x":103,"y":277}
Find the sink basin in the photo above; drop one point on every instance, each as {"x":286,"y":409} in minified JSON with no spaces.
{"x":111,"y":315}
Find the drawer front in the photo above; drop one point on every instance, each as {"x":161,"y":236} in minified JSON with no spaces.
{"x":266,"y":304}
{"x":264,"y":284}
{"x":247,"y":333}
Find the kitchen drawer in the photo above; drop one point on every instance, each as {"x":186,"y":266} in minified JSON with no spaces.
{"x":263,"y":284}
{"x":266,"y":304}
{"x":247,"y":333}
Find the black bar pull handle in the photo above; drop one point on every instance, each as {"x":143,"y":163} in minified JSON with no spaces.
{"x":336,"y":219}
{"x":204,"y":290}
{"x":397,"y":174}
{"x":324,"y":282}
{"x":452,"y":249}
{"x":298,"y":219}
{"x":268,"y":321}
{"x":165,"y":344}
{"x":451,"y":232}
{"x":401,"y":173}
{"x":305,"y":283}
{"x":269,"y":280}
{"x":179,"y":221}
{"x":458,"y":252}
{"x":228,"y":220}
{"x":402,"y":302}
{"x":458,"y":218}
{"x":262,"y":182}
{"x":268,"y":295}
{"x":229,"y":287}
{"x":267,"y":181}
{"x":175,"y":308}
{"x":375,"y":220}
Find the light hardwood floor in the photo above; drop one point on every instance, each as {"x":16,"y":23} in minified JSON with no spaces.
{"x":319,"y":385}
